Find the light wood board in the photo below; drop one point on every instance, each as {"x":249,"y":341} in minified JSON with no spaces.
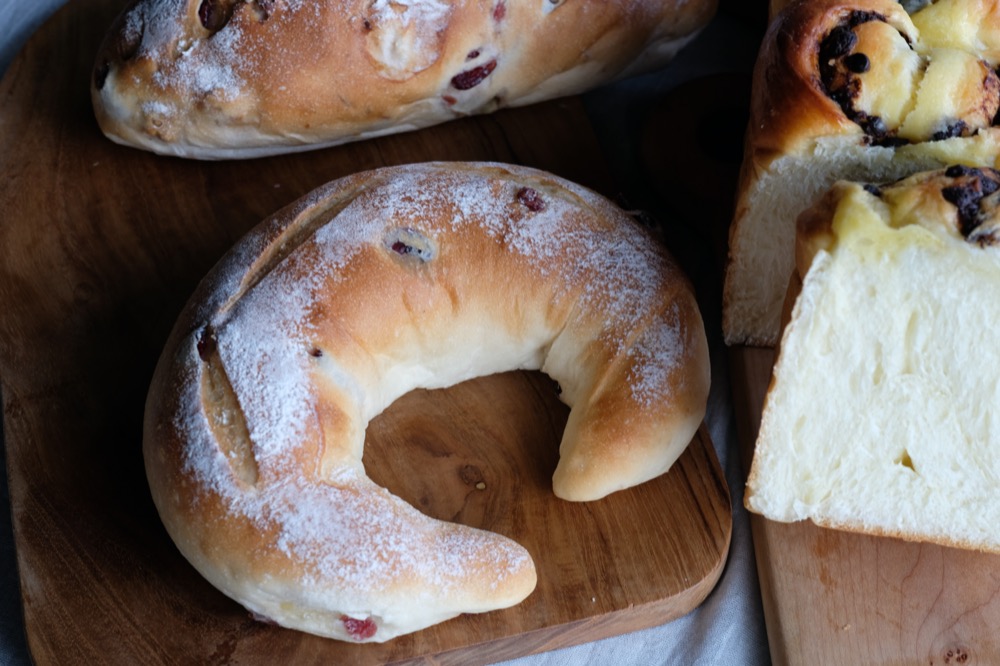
{"x":838,"y":598}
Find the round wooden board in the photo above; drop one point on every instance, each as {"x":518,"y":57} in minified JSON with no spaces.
{"x":101,"y":245}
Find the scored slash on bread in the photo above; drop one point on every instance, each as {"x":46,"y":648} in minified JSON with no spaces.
{"x":218,"y":79}
{"x":880,"y":417}
{"x":855,"y":90}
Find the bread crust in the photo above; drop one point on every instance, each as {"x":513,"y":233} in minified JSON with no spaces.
{"x":934,"y":98}
{"x":284,"y":75}
{"x":407,"y":277}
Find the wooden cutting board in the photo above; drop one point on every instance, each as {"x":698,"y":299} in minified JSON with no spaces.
{"x":100,"y":246}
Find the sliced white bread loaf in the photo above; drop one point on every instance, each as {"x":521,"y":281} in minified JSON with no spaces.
{"x":855,"y":90}
{"x":881,"y":413}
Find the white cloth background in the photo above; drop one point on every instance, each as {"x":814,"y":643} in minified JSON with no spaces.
{"x":728,"y":627}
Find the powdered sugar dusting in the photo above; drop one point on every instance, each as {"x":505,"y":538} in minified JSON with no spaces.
{"x":354,"y":535}
{"x":406,"y":35}
{"x":218,"y":64}
{"x":202,"y":66}
{"x":656,"y":359}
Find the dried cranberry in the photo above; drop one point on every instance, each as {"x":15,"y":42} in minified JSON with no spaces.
{"x":359,"y":630}
{"x":500,"y":11}
{"x":531,"y":199}
{"x":473,"y":77}
{"x":399,"y":247}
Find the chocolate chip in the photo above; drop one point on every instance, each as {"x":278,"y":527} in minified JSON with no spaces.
{"x":966,"y":195}
{"x":958,"y":170}
{"x":954,"y":129}
{"x":857,"y":63}
{"x":837,"y":44}
{"x":839,"y":69}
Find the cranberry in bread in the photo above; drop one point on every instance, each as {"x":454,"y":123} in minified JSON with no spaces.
{"x":856,"y":90}
{"x":216,"y":79}
{"x":880,"y":417}
{"x":419,"y":276}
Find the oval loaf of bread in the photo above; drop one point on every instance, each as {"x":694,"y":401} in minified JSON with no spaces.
{"x":419,"y":276}
{"x":217,"y":79}
{"x":880,"y":417}
{"x":855,"y":90}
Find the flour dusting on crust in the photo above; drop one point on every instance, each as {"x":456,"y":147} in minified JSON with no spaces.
{"x":276,"y":294}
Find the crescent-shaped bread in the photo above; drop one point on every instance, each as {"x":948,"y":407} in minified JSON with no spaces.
{"x":218,"y":79}
{"x":853,"y":90}
{"x":417,"y":276}
{"x":880,"y":413}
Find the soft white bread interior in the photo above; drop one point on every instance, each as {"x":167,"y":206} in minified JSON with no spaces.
{"x":854,"y":90}
{"x":216,"y":79}
{"x":881,"y":414}
{"x":418,"y":276}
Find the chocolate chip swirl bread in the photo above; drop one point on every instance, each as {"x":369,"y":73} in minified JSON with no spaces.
{"x":857,"y":90}
{"x":880,"y":414}
{"x":217,"y":79}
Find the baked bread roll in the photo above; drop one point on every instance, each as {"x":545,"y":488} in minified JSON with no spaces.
{"x":854,"y":90}
{"x":418,"y":276}
{"x":880,"y":417}
{"x":216,"y":79}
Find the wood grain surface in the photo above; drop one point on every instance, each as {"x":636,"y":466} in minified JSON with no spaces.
{"x":833,"y":597}
{"x":100,"y":246}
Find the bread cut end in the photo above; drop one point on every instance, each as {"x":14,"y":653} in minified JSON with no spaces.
{"x":880,"y":417}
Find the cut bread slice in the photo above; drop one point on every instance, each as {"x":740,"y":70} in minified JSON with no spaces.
{"x":853,"y":90}
{"x":881,"y":413}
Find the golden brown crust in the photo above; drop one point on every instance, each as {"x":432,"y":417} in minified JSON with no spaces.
{"x":407,"y":277}
{"x":790,"y":106}
{"x":282,"y":75}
